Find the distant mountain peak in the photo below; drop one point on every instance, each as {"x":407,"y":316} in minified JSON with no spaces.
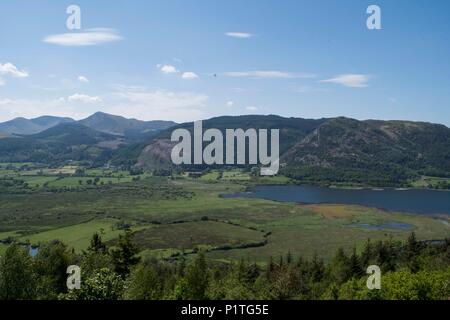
{"x":109,"y":123}
{"x":25,"y":126}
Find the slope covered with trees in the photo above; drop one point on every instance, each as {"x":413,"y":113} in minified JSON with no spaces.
{"x":410,"y":270}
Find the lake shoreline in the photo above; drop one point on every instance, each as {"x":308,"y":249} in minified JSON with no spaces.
{"x":417,"y":201}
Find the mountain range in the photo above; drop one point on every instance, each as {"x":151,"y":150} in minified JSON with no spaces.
{"x":335,"y":150}
{"x":99,"y":121}
{"x":31,"y":126}
{"x":330,"y":150}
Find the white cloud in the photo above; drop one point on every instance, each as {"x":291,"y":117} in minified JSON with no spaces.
{"x":239,"y":35}
{"x":131,"y":102}
{"x":89,"y":37}
{"x":251,"y":108}
{"x":8,"y":69}
{"x":167,"y":68}
{"x":230,"y":103}
{"x":143,"y":103}
{"x":83,"y":79}
{"x":189,"y":75}
{"x":267,"y":74}
{"x":83,"y":98}
{"x":170,"y":69}
{"x":350,"y":80}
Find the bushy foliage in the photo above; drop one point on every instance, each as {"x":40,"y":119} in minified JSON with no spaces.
{"x":410,"y":270}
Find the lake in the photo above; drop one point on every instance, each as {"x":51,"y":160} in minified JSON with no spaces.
{"x":412,"y":200}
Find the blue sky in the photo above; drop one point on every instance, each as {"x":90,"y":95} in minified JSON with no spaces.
{"x":186,"y":60}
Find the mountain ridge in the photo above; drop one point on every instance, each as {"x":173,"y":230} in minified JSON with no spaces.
{"x":99,"y":121}
{"x":330,"y":150}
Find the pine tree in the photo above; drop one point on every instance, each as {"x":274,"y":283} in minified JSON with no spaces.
{"x":195,"y":283}
{"x":125,"y":256}
{"x":355,"y":265}
{"x":340,"y":267}
{"x":367,"y":255}
{"x":411,"y":252}
{"x":97,"y":244}
{"x":317,"y":269}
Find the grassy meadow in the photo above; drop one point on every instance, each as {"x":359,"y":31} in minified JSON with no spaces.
{"x":169,"y":215}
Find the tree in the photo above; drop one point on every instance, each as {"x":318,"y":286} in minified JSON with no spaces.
{"x":145,"y":283}
{"x":51,"y":264}
{"x":17,"y":280}
{"x":125,"y":255}
{"x":317,"y":269}
{"x":103,"y":285}
{"x":411,"y":252}
{"x":96,"y":257}
{"x":367,"y":255}
{"x":356,"y":269}
{"x":340,"y":267}
{"x":194,"y":284}
{"x":97,"y":244}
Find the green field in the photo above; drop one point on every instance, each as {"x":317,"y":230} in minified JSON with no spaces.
{"x":64,"y":177}
{"x":77,"y":236}
{"x":190,"y":235}
{"x":155,"y":203}
{"x":425,"y":181}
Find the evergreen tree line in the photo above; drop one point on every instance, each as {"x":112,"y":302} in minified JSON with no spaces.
{"x":410,"y":270}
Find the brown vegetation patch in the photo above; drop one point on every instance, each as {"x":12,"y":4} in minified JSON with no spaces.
{"x":331,"y":211}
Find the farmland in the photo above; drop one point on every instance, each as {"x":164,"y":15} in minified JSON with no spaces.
{"x":180,"y":213}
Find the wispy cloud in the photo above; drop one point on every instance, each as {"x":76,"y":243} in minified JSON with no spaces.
{"x":189,"y":75}
{"x":262,"y":74}
{"x":83,"y":98}
{"x":350,"y":80}
{"x":90,"y":37}
{"x":83,"y":79}
{"x":230,"y":103}
{"x":2,"y":82}
{"x":8,"y":69}
{"x":251,"y":108}
{"x":143,"y":103}
{"x":239,"y":35}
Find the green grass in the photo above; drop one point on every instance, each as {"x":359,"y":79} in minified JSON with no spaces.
{"x":79,"y":235}
{"x":195,"y":234}
{"x":7,"y":234}
{"x":210,"y":176}
{"x":3,"y":248}
{"x":304,"y":230}
{"x":37,"y":181}
{"x":75,"y":181}
{"x":425,"y":181}
{"x":236,"y":175}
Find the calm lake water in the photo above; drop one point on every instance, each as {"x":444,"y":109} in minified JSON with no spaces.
{"x":416,"y":200}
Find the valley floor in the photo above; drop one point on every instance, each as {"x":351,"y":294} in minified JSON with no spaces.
{"x":171,"y":216}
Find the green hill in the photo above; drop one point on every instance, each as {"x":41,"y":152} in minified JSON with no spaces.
{"x":121,"y":126}
{"x":336,"y":150}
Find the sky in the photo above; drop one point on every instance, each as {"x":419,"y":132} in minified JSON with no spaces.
{"x":185,"y":60}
